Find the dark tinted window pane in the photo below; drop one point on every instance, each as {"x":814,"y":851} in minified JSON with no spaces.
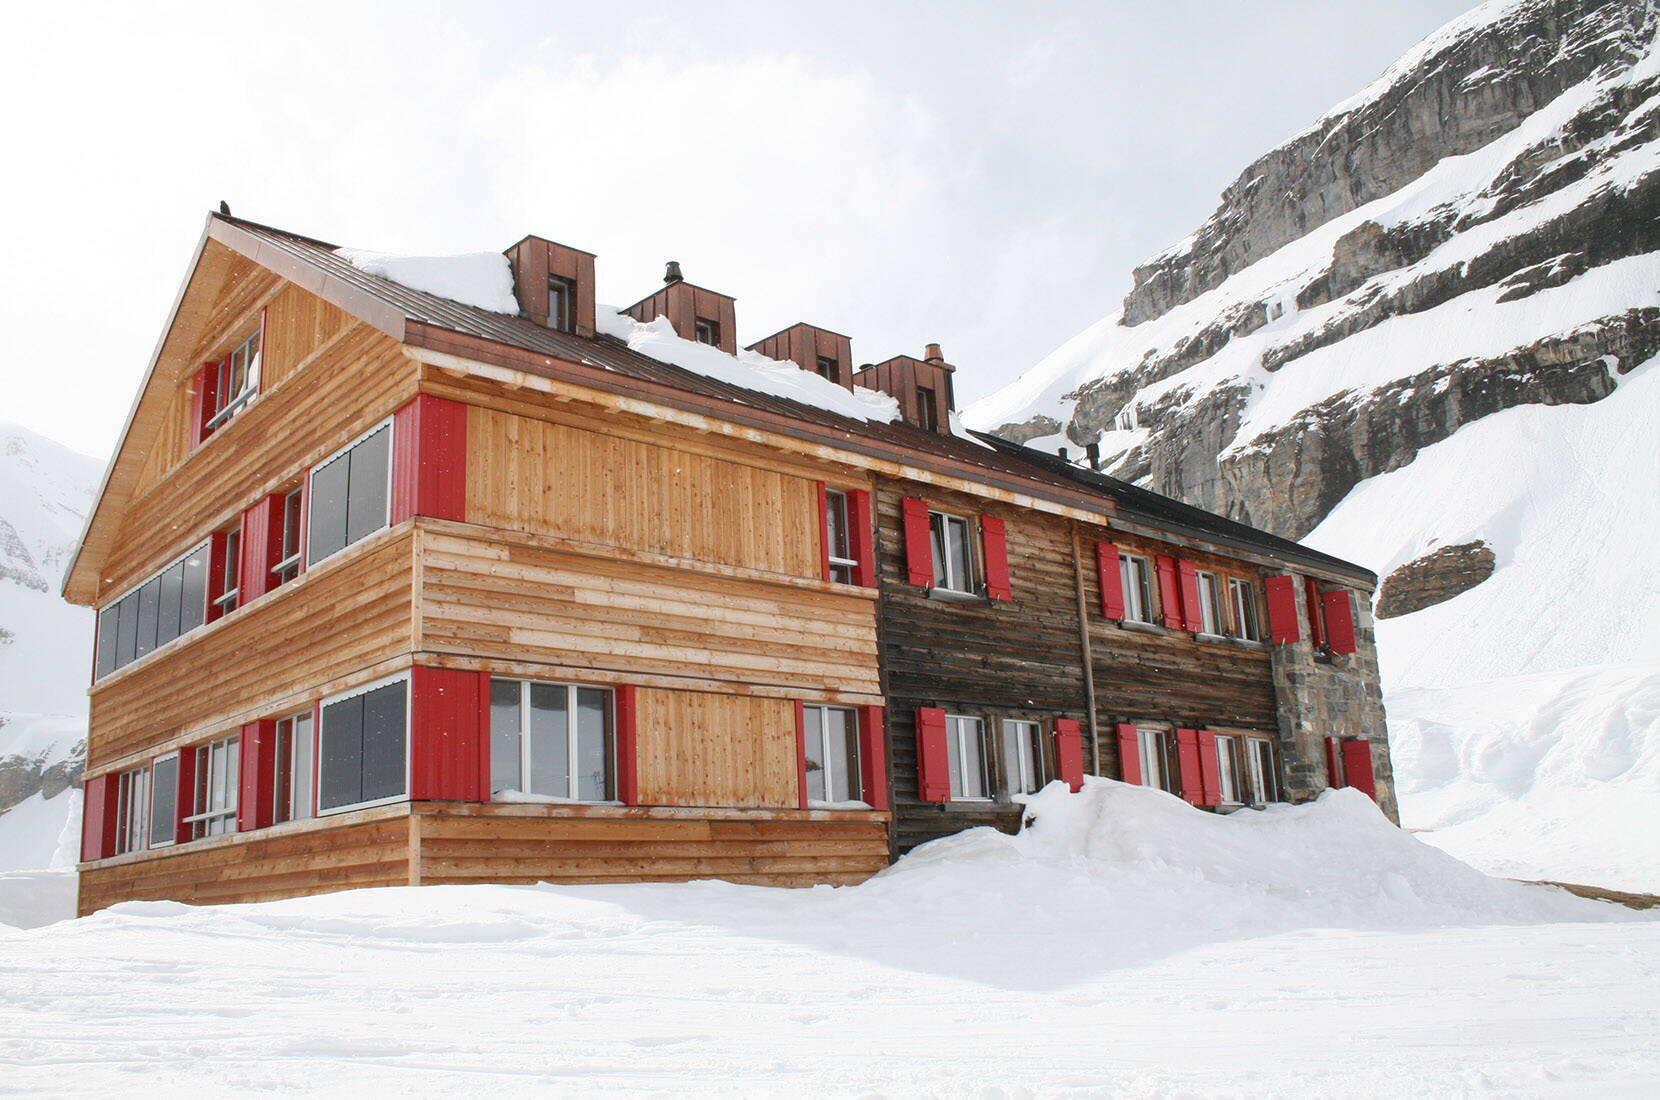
{"x":384,"y":737}
{"x":366,"y":493}
{"x":148,"y":597}
{"x":340,"y":777}
{"x":167,"y":610}
{"x":126,"y":640}
{"x":107,"y":620}
{"x":327,"y":531}
{"x":193,"y":592}
{"x":504,"y":736}
{"x":164,"y":801}
{"x":593,"y":744}
{"x":549,"y":735}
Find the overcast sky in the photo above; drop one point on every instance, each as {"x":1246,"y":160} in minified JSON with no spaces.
{"x":984,"y":176}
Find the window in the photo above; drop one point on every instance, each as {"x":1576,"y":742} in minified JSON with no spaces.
{"x":831,"y":737}
{"x":1230,"y":768}
{"x":164,"y":800}
{"x":238,"y":381}
{"x":1158,"y":760}
{"x":132,"y":811}
{"x":561,"y":296}
{"x":292,"y":782}
{"x":1259,"y":759}
{"x":1135,"y":573}
{"x":965,"y":744}
{"x":554,"y":740}
{"x":953,"y":558}
{"x":1247,"y":616}
{"x":287,"y":566}
{"x":227,"y":572}
{"x":1210,"y":603}
{"x":363,"y":748}
{"x":218,"y":774}
{"x":168,"y":605}
{"x":838,"y":538}
{"x":927,"y":415}
{"x":706,"y":331}
{"x":350,"y":495}
{"x":1023,"y":764}
{"x":830,"y":369}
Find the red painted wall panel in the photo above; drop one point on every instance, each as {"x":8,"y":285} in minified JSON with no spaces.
{"x":994,"y":547}
{"x":257,"y":759}
{"x":1357,"y":767}
{"x":429,"y":459}
{"x":1069,"y":753}
{"x":933,"y":766}
{"x":864,"y":538}
{"x":1170,"y":596}
{"x":919,"y":546}
{"x":449,"y":738}
{"x":1129,"y":754}
{"x":1187,"y":756}
{"x":873,"y":757}
{"x":1340,"y":620}
{"x":1283,"y":627}
{"x":628,"y":753}
{"x":1110,"y":580}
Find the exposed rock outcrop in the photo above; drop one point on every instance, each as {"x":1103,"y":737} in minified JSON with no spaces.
{"x":1434,"y":578}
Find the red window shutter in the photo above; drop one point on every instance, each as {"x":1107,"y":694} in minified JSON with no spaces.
{"x":801,"y":752}
{"x":203,"y":395}
{"x":1111,"y":580}
{"x":873,"y":758}
{"x":1283,"y":627}
{"x":216,"y":576}
{"x":919,"y":545}
{"x":1316,"y":612}
{"x":1334,"y":763}
{"x":933,"y":765}
{"x":429,"y":459}
{"x":98,"y":817}
{"x":1210,"y":770}
{"x":1191,"y":618}
{"x":628,"y":751}
{"x":1169,"y":593}
{"x":449,"y":739}
{"x":257,"y":759}
{"x":863,"y":538}
{"x":994,"y":546}
{"x":1340,"y":620}
{"x":823,"y":535}
{"x":1069,"y":753}
{"x":1187,"y":758}
{"x":183,"y":829}
{"x":260,"y":524}
{"x":1357,"y":767}
{"x":1129,"y":754}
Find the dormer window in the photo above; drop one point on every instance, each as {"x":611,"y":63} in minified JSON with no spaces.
{"x":927,"y":415}
{"x":707,"y":331}
{"x":237,"y":382}
{"x":829,"y":369}
{"x":561,"y":303}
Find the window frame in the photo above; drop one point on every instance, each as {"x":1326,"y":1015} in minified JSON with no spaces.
{"x":321,"y":752}
{"x":928,"y":414}
{"x":1262,"y":766}
{"x":843,"y":570}
{"x":829,"y":369}
{"x":292,"y":808}
{"x":288,"y":567}
{"x":706,"y":326}
{"x":572,"y":738}
{"x":1160,"y":761}
{"x":1135,"y":577}
{"x":308,"y":486}
{"x":956,"y":748}
{"x":562,"y":291}
{"x":132,"y":810}
{"x":1230,"y":769}
{"x":855,"y":778}
{"x":1211,"y":619}
{"x":205,"y":815}
{"x":226,"y":407}
{"x":203,"y":547}
{"x":230,"y":595}
{"x":1246,"y":608}
{"x":1028,"y":776}
{"x":939,"y":544}
{"x":172,"y":835}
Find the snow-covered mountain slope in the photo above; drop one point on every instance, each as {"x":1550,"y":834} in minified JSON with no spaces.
{"x":1422,"y":324}
{"x":45,"y":643}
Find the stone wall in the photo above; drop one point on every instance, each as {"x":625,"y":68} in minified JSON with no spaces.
{"x":1434,"y":578}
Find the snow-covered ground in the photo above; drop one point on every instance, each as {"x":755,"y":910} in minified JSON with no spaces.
{"x":1125,"y":945}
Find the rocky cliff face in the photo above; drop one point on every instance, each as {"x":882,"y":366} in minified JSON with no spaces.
{"x":1476,"y":230}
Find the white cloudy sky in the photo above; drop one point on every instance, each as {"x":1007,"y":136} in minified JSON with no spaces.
{"x":982,"y":175}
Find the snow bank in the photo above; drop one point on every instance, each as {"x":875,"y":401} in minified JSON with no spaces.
{"x":41,"y":832}
{"x":33,"y":899}
{"x":482,"y":279}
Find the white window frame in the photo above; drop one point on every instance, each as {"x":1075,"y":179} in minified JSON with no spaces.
{"x":1026,"y":738}
{"x":834,"y":498}
{"x":132,"y":810}
{"x":206,"y":547}
{"x":1247,"y":609}
{"x":855,"y":782}
{"x":310,"y":487}
{"x":251,"y":367}
{"x":1263,"y":773}
{"x":958,"y":745}
{"x":571,"y":689}
{"x":1210,"y":606}
{"x":1230,"y":768}
{"x":321,"y":750}
{"x":173,"y":833}
{"x":227,"y":600}
{"x":1135,"y":576}
{"x":289,"y":567}
{"x":952,"y":579}
{"x":302,"y":803}
{"x":1158,"y":751}
{"x":203,"y":821}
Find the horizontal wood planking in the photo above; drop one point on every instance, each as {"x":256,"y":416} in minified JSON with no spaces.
{"x":290,"y":865}
{"x":339,"y":396}
{"x":297,"y":323}
{"x":354,"y":611}
{"x":503,"y":849}
{"x":698,"y":749}
{"x":532,"y":475}
{"x":517,"y":603}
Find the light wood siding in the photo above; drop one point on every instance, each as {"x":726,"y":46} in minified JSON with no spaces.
{"x":350,"y":614}
{"x":498,"y":848}
{"x":495,"y":599}
{"x":258,"y":868}
{"x":531,"y":475}
{"x":363,"y":379}
{"x":697,"y":749}
{"x":296,"y":325}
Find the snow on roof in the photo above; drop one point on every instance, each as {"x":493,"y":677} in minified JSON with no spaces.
{"x":481,"y":279}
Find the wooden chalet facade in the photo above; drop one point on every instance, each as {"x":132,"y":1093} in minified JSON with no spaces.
{"x":395,"y":590}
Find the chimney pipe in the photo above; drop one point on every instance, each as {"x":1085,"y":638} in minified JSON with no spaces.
{"x":1093,"y":450}
{"x":1062,"y":452}
{"x":933,"y":355}
{"x":672,"y":274}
